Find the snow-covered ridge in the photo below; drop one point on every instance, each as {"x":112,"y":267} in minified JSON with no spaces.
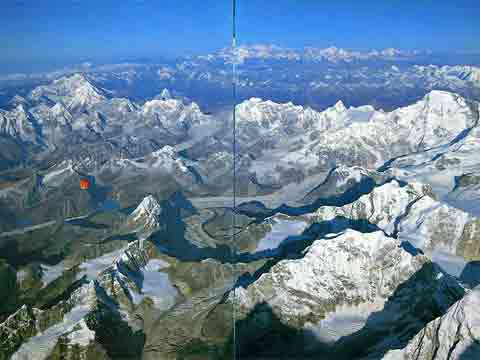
{"x":435,"y":109}
{"x":164,"y":160}
{"x":59,"y":172}
{"x":346,"y":269}
{"x":73,"y":104}
{"x":355,"y":136}
{"x":287,"y":119}
{"x":382,"y":207}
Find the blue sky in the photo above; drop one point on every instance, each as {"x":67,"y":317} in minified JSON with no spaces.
{"x":36,"y":34}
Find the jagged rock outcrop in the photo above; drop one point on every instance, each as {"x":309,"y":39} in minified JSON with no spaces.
{"x":147,"y":215}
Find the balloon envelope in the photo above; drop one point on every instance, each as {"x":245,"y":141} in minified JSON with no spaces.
{"x":84,"y":184}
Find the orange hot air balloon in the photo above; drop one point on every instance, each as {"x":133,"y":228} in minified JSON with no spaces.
{"x":84,"y":184}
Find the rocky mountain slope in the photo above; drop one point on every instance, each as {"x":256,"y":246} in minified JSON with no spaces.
{"x":349,"y":282}
{"x":453,"y":336}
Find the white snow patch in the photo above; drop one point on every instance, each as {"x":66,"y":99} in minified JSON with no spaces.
{"x":156,"y":285}
{"x":82,"y":336}
{"x":344,"y":321}
{"x":92,"y":268}
{"x":21,"y":275}
{"x":451,"y":264}
{"x":51,"y":273}
{"x":281,"y":229}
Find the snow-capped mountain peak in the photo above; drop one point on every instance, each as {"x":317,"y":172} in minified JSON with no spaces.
{"x":438,"y":118}
{"x":146,"y":215}
{"x":439,"y":98}
{"x":173,"y":115}
{"x":391,"y":52}
{"x":19,"y":123}
{"x":149,"y":205}
{"x":166,"y":159}
{"x":84,"y":94}
{"x":165,"y":94}
{"x":339,"y":106}
{"x":75,"y":92}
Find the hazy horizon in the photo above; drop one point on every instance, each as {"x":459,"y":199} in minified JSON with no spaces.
{"x":51,"y":34}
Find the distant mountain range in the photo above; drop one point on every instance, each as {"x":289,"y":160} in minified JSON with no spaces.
{"x":330,"y":54}
{"x":313,"y":77}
